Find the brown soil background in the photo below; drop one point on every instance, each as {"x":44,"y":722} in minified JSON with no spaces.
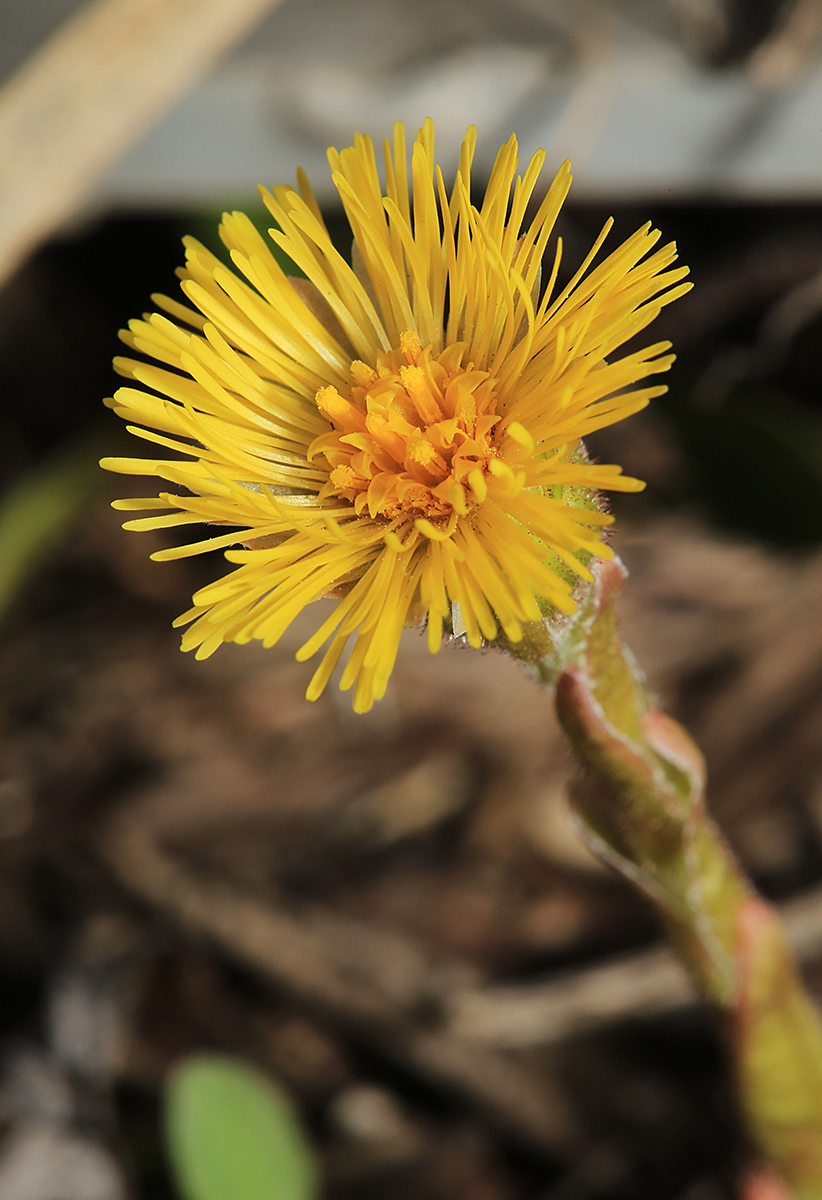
{"x":390,"y":914}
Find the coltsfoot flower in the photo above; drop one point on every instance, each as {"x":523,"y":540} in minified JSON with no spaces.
{"x":404,"y":432}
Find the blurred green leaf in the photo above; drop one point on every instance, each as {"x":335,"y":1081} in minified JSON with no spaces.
{"x":756,"y":463}
{"x":204,"y":225}
{"x":232,"y":1135}
{"x":40,"y":506}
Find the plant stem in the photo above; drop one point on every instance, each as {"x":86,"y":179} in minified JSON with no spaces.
{"x":641,"y":806}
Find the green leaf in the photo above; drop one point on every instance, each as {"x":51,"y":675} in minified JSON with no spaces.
{"x":39,"y":508}
{"x":232,"y":1135}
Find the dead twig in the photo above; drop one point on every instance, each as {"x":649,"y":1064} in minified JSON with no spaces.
{"x":285,"y":949}
{"x":652,"y":981}
{"x":77,"y":105}
{"x":332,"y":965}
{"x":536,"y":1014}
{"x":782,"y":57}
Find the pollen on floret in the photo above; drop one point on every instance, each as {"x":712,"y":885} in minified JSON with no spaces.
{"x":343,"y":477}
{"x":416,"y":384}
{"x":363,"y":375}
{"x":410,"y":346}
{"x":339,"y":410}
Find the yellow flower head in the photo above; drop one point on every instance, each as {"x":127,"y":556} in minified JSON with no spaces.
{"x":402,"y":433}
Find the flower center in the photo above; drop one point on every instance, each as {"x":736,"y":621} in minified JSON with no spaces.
{"x":412,"y":437}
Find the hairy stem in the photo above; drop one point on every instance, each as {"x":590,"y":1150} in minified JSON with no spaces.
{"x":641,"y":806}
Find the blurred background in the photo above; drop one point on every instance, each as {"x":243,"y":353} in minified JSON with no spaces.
{"x":389,"y":916}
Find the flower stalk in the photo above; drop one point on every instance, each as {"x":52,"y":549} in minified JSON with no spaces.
{"x":641,"y":806}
